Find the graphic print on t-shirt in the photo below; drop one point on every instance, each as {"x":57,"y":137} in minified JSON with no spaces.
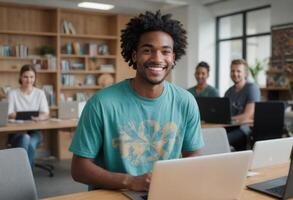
{"x":146,"y":142}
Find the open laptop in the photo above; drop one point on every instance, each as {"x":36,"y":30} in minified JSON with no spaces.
{"x":215,"y":110}
{"x":68,"y":110}
{"x":26,"y":115}
{"x":218,"y":176}
{"x":3,"y":113}
{"x":271,"y":152}
{"x":16,"y":178}
{"x":281,"y":188}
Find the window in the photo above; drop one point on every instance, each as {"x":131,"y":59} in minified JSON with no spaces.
{"x":244,"y":34}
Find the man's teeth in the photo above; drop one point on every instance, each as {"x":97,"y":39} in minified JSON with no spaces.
{"x":156,"y":68}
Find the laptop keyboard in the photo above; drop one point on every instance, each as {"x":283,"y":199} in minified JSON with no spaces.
{"x":278,"y":190}
{"x":144,"y":197}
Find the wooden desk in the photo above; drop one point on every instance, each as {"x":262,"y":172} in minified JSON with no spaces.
{"x":62,"y":134}
{"x":265,"y":174}
{"x":42,"y":125}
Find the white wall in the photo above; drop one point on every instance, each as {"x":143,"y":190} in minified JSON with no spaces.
{"x":282,"y":12}
{"x":200,"y":24}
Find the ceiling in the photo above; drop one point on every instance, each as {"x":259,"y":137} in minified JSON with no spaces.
{"x":121,"y":6}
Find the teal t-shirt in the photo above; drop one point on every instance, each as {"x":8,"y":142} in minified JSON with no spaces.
{"x":209,"y":91}
{"x":127,"y":133}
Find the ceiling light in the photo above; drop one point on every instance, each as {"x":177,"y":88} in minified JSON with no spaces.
{"x":93,"y":5}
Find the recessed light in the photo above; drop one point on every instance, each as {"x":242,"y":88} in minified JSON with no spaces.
{"x":99,"y":6}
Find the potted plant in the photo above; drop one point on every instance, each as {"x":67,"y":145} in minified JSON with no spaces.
{"x":46,"y":50}
{"x":256,"y":69}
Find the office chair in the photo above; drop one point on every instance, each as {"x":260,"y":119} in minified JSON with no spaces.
{"x":216,"y":141}
{"x":268,"y":121}
{"x":47,"y":167}
{"x":16,"y":178}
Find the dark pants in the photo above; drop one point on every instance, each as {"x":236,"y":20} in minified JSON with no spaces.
{"x":238,"y":137}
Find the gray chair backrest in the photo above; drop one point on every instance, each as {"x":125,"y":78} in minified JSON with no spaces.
{"x":216,"y":141}
{"x":16,"y":178}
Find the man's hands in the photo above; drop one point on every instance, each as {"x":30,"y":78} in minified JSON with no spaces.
{"x":138,"y":183}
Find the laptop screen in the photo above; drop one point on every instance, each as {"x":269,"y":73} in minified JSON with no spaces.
{"x":214,"y":109}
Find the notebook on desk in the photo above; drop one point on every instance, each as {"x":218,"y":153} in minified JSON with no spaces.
{"x":215,"y":110}
{"x":3,"y":113}
{"x":271,"y":152}
{"x":218,"y":176}
{"x":281,"y":188}
{"x":26,"y":115}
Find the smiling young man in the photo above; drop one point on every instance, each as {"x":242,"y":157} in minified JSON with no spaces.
{"x":243,"y":96}
{"x":124,"y":129}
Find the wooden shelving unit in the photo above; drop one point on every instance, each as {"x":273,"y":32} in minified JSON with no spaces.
{"x":280,"y":74}
{"x":35,"y":27}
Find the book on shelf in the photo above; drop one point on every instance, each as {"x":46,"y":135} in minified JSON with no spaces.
{"x":21,"y":51}
{"x":77,"y":66}
{"x":65,"y":66}
{"x":49,"y":92}
{"x":52,"y":62}
{"x":68,"y":27}
{"x":6,"y":50}
{"x":91,"y":49}
{"x":71,"y":28}
{"x":107,"y":68}
{"x":68,"y":80}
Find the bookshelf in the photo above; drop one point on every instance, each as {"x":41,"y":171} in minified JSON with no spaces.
{"x":85,"y":53}
{"x":280,"y":74}
{"x":35,"y":27}
{"x":23,"y":31}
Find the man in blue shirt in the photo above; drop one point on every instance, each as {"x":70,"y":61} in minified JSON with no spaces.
{"x":124,"y":129}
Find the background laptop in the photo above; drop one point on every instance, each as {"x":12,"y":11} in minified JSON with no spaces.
{"x":3,"y":113}
{"x":214,"y":110}
{"x":68,"y":110}
{"x":271,"y":152}
{"x":218,"y":176}
{"x":280,"y":187}
{"x":26,"y":115}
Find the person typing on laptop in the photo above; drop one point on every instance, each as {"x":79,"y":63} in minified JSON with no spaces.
{"x":125,"y":128}
{"x":27,"y":98}
{"x":243,"y":96}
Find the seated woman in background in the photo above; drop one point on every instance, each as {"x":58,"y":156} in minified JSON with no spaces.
{"x":27,"y":98}
{"x":202,"y":89}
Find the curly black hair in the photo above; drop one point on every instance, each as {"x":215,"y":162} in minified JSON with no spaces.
{"x":152,"y":22}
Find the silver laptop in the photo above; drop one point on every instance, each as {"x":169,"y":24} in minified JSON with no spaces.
{"x":281,"y":188}
{"x":3,"y":113}
{"x":218,"y":176}
{"x":68,"y":110}
{"x":271,"y":152}
{"x":16,"y":178}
